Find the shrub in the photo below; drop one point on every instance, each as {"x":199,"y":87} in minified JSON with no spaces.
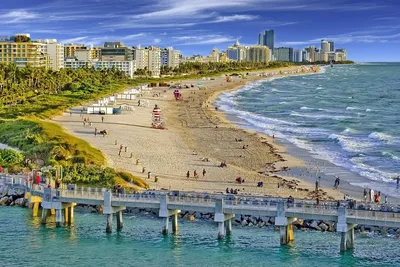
{"x":10,"y":157}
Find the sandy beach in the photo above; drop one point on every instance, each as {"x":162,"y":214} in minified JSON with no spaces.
{"x":195,"y":131}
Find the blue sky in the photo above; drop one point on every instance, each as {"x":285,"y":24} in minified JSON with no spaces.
{"x":369,"y":30}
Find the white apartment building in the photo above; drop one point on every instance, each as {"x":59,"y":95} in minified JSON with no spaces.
{"x":55,"y":53}
{"x":83,"y":54}
{"x":170,"y":57}
{"x":129,"y":67}
{"x":141,"y":57}
{"x":154,"y":61}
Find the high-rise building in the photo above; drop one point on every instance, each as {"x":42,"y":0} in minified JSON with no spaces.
{"x":331,"y":46}
{"x":141,"y":56}
{"x":325,"y":46}
{"x":19,"y":49}
{"x":298,"y":55}
{"x":69,"y":49}
{"x":283,"y":54}
{"x":154,"y":60}
{"x":237,"y":52}
{"x":88,"y":53}
{"x":55,"y":52}
{"x":267,"y":38}
{"x":170,"y":57}
{"x":116,"y":51}
{"x":214,"y":57}
{"x":306,"y":56}
{"x":258,"y":53}
{"x":311,"y":52}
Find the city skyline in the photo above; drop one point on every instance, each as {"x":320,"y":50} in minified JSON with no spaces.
{"x":198,"y":28}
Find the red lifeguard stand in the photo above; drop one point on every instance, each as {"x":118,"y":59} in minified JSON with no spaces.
{"x":178,"y":94}
{"x":158,"y":122}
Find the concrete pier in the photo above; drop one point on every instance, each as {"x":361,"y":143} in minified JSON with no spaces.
{"x":221,"y":230}
{"x":284,"y":223}
{"x":175,"y":223}
{"x":109,"y":223}
{"x":59,"y":217}
{"x":164,"y":230}
{"x":220,"y":217}
{"x":165,"y":213}
{"x":345,"y":229}
{"x":229,"y":227}
{"x":45,"y":213}
{"x":120,"y":224}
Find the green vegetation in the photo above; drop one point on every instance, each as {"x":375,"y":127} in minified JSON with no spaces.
{"x":30,"y":96}
{"x":197,"y":68}
{"x":9,"y":157}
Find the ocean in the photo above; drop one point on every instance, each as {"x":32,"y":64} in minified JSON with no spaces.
{"x":25,"y":242}
{"x":346,"y":115}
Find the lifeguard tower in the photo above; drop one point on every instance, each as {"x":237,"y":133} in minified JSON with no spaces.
{"x":158,"y":122}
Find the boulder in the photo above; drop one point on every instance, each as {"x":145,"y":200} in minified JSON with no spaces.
{"x":11,"y":192}
{"x":250,"y":224}
{"x":314,"y":225}
{"x":4,"y":191}
{"x":398,"y":231}
{"x":244,"y":223}
{"x":3,"y":200}
{"x":261,"y":224}
{"x":271,"y":220}
{"x":19,"y":202}
{"x":12,"y":203}
{"x":391,"y":231}
{"x":191,"y":218}
{"x":323,"y":226}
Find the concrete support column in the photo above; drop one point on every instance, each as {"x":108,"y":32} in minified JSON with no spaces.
{"x":66,"y":212}
{"x":290,"y":233}
{"x":229,"y":226}
{"x":350,"y":239}
{"x":284,"y":234}
{"x":175,"y":223}
{"x":59,"y":218}
{"x":221,"y":230}
{"x":109,"y":223}
{"x":166,"y":225}
{"x":45,"y":213}
{"x":71,"y":214}
{"x":119,"y":220}
{"x":343,"y":241}
{"x":35,"y":209}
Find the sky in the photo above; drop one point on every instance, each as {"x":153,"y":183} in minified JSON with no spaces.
{"x":368,"y":30}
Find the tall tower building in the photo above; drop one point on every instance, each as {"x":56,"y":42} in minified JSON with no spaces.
{"x":325,"y":46}
{"x":267,"y":38}
{"x":332,"y":46}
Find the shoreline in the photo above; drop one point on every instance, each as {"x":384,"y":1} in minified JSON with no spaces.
{"x":192,"y":125}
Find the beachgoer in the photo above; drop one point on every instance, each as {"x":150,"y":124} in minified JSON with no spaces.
{"x":90,"y":124}
{"x":316,"y":186}
{"x":119,"y":153}
{"x":338,"y":183}
{"x":386,"y":201}
{"x":121,"y":147}
{"x":131,"y":155}
{"x":195,"y":174}
{"x":148,"y":175}
{"x":232,"y":191}
{"x":126,"y":148}
{"x":102,"y":119}
{"x":204,"y":172}
{"x":70,"y":113}
{"x":187,"y":174}
{"x":194,"y":153}
{"x":95,"y":131}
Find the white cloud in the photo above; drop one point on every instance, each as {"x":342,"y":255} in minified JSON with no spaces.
{"x":235,"y":18}
{"x":16,"y":16}
{"x":203,"y":39}
{"x":74,"y":40}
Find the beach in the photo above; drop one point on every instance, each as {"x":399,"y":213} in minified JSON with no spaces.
{"x":198,"y":137}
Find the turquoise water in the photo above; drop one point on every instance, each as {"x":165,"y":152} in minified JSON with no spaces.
{"x":347,"y":115}
{"x":25,"y":242}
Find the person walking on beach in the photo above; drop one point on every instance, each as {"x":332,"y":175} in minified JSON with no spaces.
{"x":126,"y":148}
{"x":195,"y":174}
{"x":187,"y":175}
{"x":95,"y":131}
{"x":102,"y":119}
{"x":204,"y":172}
